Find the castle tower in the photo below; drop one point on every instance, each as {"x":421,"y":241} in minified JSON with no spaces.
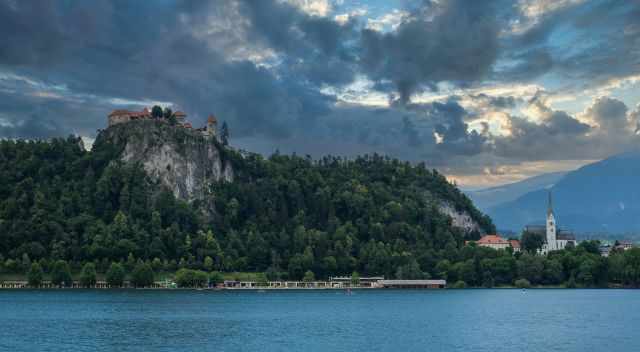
{"x":551,"y":227}
{"x":212,"y":126}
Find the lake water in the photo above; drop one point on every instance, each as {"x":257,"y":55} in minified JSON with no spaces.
{"x":377,"y":320}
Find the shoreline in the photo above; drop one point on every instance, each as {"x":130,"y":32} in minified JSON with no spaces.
{"x":258,"y":289}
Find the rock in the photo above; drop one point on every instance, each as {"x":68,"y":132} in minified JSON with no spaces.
{"x":460,"y":219}
{"x":183,"y":160}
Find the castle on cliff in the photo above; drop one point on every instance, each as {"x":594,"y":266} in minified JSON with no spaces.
{"x":123,"y":116}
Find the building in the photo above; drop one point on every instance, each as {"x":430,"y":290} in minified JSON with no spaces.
{"x":554,"y":238}
{"x":497,"y":242}
{"x":605,"y":250}
{"x":515,"y":244}
{"x":180,"y":116}
{"x":623,"y":245}
{"x":412,"y":283}
{"x":493,"y":241}
{"x":345,"y":281}
{"x":212,"y":126}
{"x":122,"y":116}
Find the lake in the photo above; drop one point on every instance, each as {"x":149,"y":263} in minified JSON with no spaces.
{"x":374,"y":320}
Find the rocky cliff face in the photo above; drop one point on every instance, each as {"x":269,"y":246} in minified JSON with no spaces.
{"x":183,"y":160}
{"x":460,"y":219}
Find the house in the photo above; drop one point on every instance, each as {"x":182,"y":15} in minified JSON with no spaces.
{"x":515,"y":244}
{"x":492,"y":241}
{"x":623,"y":245}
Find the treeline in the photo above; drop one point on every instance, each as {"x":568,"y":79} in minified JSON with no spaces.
{"x":288,"y":216}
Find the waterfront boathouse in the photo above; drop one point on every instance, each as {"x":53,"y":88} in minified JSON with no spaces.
{"x":412,"y":283}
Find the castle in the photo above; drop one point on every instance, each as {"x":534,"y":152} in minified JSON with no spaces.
{"x":555,"y":239}
{"x":124,"y":116}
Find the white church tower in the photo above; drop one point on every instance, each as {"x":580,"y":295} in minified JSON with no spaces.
{"x":552,"y":244}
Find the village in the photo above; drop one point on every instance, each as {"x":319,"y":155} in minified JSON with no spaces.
{"x":553,"y":238}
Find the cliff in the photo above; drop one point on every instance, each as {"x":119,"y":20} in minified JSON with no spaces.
{"x":181,"y":159}
{"x":460,"y":218}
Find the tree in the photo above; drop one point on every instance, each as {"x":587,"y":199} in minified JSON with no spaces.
{"x":531,"y":267}
{"x":208,"y":263}
{"x":224,"y":133}
{"x":167,"y":113}
{"x":309,"y":276}
{"x":191,"y":278}
{"x":156,"y":112}
{"x":35,"y":275}
{"x":142,"y":275}
{"x":88,"y":275}
{"x":355,"y":278}
{"x":531,"y":241}
{"x":61,"y":274}
{"x":115,"y":275}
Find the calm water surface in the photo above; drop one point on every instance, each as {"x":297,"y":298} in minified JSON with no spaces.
{"x":446,"y":320}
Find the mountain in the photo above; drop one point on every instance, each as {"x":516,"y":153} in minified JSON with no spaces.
{"x":488,"y":198}
{"x":166,"y":194}
{"x":602,"y":197}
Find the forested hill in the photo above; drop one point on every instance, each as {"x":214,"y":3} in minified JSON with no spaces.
{"x":285,"y":215}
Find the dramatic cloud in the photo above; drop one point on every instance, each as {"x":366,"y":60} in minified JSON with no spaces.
{"x":474,"y":88}
{"x":455,"y":41}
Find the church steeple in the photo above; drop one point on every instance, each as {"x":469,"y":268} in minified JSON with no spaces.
{"x":550,"y":205}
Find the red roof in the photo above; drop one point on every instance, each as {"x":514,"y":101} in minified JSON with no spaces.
{"x":122,"y":112}
{"x":212,"y":119}
{"x":187,"y":125}
{"x":514,"y":243}
{"x":179,"y":114}
{"x":492,"y":239}
{"x":119,"y":112}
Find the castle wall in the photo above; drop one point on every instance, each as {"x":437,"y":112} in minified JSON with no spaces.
{"x":116,"y":119}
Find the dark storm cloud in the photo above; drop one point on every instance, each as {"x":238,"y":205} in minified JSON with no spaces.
{"x":454,"y":41}
{"x":611,"y":115}
{"x":453,"y":131}
{"x":588,"y":42}
{"x":261,"y":66}
{"x":139,"y":50}
{"x":314,"y":47}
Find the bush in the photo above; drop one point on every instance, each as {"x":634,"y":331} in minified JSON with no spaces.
{"x":522,"y":283}
{"x":35,"y":274}
{"x":142,"y":275}
{"x":460,"y":284}
{"x":88,"y":275}
{"x":115,"y":275}
{"x":191,"y":278}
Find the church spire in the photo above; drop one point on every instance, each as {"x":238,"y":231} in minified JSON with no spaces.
{"x":550,"y":205}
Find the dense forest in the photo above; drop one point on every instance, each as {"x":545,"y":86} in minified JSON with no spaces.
{"x":287,"y":216}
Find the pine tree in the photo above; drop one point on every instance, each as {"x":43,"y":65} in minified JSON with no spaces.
{"x":224,"y":133}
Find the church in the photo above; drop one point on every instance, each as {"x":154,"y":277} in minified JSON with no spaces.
{"x":555,"y":239}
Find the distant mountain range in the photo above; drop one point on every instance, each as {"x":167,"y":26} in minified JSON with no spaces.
{"x":487,"y":198}
{"x":603,"y":197}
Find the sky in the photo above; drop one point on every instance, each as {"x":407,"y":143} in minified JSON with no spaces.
{"x":487,"y":92}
